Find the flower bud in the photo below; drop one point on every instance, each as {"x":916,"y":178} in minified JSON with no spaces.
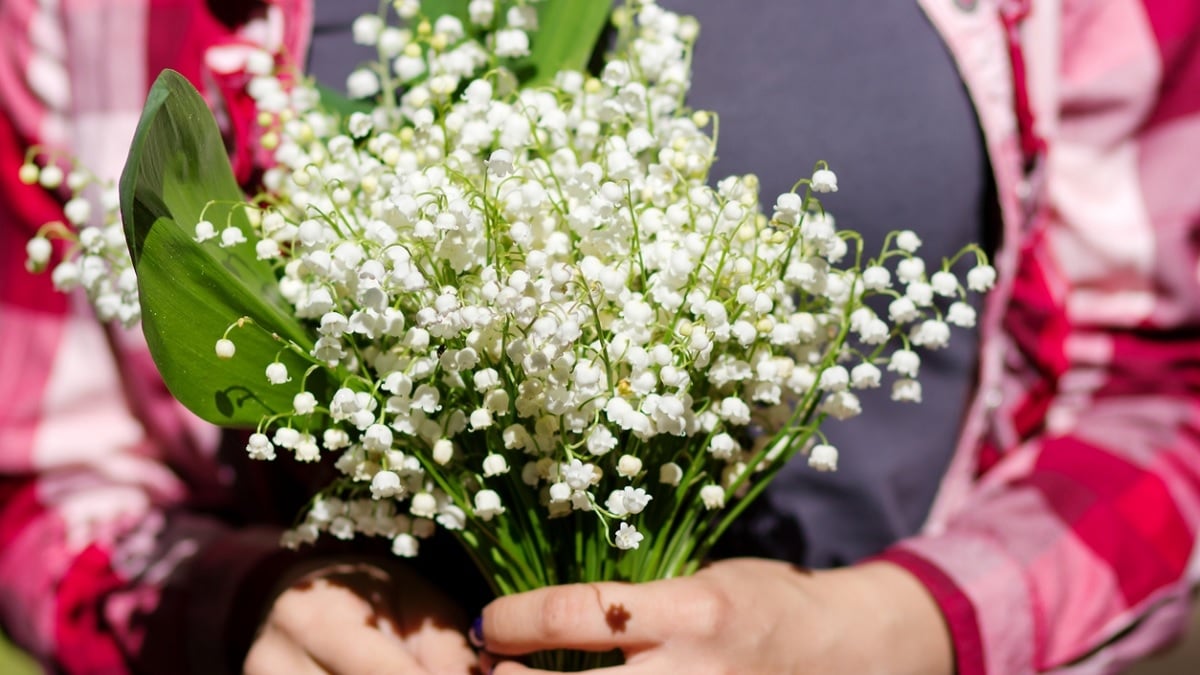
{"x":51,"y":177}
{"x":38,"y":250}
{"x":77,"y":210}
{"x":28,"y":174}
{"x":670,"y":473}
{"x":443,"y":451}
{"x":225,"y":348}
{"x":629,"y":466}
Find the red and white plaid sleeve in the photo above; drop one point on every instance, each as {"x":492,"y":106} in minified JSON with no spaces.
{"x":1074,"y":548}
{"x":102,"y":474}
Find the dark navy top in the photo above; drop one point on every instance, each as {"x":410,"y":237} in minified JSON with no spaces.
{"x":869,"y":87}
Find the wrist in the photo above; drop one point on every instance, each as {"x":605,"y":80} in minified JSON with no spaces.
{"x":890,"y":611}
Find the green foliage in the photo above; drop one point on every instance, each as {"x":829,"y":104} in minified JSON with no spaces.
{"x":566,"y":36}
{"x":565,"y":39}
{"x":334,"y":100}
{"x":439,"y":7}
{"x":178,"y":174}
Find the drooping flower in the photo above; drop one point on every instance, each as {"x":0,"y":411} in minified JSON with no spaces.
{"x":944,"y":284}
{"x":385,"y":484}
{"x":258,"y":446}
{"x":494,"y":465}
{"x":931,"y":333}
{"x":904,"y":362}
{"x":908,"y":241}
{"x":712,"y":496}
{"x":277,"y":373}
{"x":823,"y":457}
{"x":961,"y":314}
{"x":981,"y":278}
{"x":908,"y":390}
{"x":824,"y":180}
{"x":487,"y":504}
{"x":865,"y":376}
{"x":627,"y":537}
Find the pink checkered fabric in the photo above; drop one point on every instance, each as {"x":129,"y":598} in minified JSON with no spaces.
{"x":101,"y":472}
{"x":1064,"y":535}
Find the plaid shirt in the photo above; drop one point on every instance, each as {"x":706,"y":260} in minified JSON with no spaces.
{"x":1063,"y":537}
{"x":1064,"y":533}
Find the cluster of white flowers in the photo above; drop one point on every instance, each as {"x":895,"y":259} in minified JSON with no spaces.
{"x":544,"y":279}
{"x":539,"y":289}
{"x":95,"y":257}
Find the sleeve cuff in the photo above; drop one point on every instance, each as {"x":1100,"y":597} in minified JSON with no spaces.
{"x":239,"y":570}
{"x":231,"y":585}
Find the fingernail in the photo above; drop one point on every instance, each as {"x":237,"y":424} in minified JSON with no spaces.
{"x":475,"y":635}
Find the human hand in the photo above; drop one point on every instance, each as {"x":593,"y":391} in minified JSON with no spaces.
{"x":356,"y":617}
{"x":734,"y":616}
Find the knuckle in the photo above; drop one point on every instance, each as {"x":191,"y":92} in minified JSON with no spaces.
{"x":287,"y":604}
{"x":294,"y":615}
{"x":561,"y":611}
{"x":706,"y":612}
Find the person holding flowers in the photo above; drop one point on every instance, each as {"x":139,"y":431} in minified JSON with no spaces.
{"x":1037,"y":555}
{"x":1074,"y":468}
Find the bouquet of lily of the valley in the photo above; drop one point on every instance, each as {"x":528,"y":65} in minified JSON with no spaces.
{"x":506,"y":298}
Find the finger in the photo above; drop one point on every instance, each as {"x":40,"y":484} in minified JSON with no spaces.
{"x":431,"y":627}
{"x":340,"y":634}
{"x":273,"y":653}
{"x":357,"y":649}
{"x":440,"y":649}
{"x":600,"y":616}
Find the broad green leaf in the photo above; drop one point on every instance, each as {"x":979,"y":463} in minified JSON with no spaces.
{"x":566,"y":37}
{"x":191,"y":292}
{"x":567,"y":33}
{"x":435,"y":8}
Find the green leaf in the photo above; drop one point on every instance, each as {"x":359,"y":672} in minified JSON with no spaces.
{"x":436,"y":8}
{"x":566,"y":37}
{"x":191,"y":292}
{"x":567,"y":33}
{"x":336,"y":102}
